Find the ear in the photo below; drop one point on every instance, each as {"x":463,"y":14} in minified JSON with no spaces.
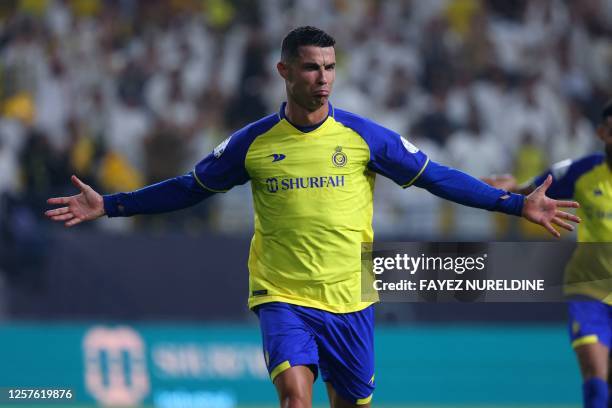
{"x":283,"y":70}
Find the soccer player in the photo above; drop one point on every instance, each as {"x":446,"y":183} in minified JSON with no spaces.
{"x":588,"y":275}
{"x":312,"y":169}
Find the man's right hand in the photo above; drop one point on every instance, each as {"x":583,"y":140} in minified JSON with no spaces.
{"x":85,"y":206}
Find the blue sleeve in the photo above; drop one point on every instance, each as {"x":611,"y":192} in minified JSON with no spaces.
{"x":221,"y":170}
{"x":224,"y":168}
{"x":391,"y":155}
{"x":170,"y":195}
{"x":565,"y":174}
{"x":454,"y":185}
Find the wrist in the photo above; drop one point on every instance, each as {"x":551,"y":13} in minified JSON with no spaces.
{"x":100,"y":211}
{"x":110,"y":206}
{"x":512,"y":204}
{"x":526,"y":202}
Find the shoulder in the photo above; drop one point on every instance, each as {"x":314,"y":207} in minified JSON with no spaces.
{"x":576,"y":168}
{"x":589,"y":161}
{"x":374,"y":134}
{"x":254,"y":129}
{"x":243,"y":138}
{"x":359,"y":124}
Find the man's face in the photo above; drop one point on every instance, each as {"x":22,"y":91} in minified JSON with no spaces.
{"x":310,"y":76}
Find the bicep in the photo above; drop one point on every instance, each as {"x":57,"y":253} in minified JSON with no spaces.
{"x":394,"y":157}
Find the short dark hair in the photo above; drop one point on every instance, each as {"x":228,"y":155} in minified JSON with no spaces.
{"x":607,"y":110}
{"x":302,"y":36}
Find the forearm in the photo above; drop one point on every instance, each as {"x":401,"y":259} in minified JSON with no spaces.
{"x":170,"y":195}
{"x":454,"y":185}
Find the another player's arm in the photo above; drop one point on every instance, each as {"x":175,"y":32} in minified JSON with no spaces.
{"x":564,"y":173}
{"x":563,"y":176}
{"x":454,"y":185}
{"x":507,"y":182}
{"x":170,"y":195}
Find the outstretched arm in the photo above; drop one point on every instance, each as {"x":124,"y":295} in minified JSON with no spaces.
{"x":170,"y":195}
{"x":461,"y":188}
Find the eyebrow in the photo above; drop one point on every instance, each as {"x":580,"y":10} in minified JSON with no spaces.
{"x":316,"y":65}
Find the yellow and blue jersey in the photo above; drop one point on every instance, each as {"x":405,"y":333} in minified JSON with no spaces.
{"x":313,"y":201}
{"x":313,"y":197}
{"x":588,"y":181}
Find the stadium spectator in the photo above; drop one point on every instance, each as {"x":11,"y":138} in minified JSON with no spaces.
{"x":132,"y":50}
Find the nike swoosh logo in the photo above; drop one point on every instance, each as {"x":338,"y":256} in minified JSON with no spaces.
{"x":277,"y":157}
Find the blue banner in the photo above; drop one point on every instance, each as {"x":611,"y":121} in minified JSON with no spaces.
{"x":177,"y":366}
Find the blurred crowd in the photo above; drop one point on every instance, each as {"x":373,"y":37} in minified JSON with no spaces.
{"x":127,"y":92}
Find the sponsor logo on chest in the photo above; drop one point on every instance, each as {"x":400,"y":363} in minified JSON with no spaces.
{"x":275,"y":184}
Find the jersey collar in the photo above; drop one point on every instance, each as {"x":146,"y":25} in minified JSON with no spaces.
{"x":305,"y":129}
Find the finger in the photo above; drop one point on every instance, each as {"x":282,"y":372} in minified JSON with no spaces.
{"x":58,"y":200}
{"x":546,"y":184}
{"x":562,"y":224}
{"x":63,"y":217}
{"x":57,"y":211}
{"x":567,"y":204}
{"x":73,"y":222}
{"x":551,"y":229}
{"x":567,"y":216}
{"x":78,"y":183}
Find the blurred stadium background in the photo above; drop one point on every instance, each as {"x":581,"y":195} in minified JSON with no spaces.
{"x":151,"y":311}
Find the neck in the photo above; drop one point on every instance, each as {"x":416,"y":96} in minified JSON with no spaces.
{"x":302,"y":117}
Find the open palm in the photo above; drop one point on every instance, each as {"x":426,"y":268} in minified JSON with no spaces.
{"x":85,"y":206}
{"x":545,"y":211}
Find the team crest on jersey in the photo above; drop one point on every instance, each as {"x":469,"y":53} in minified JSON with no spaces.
{"x":339,"y":158}
{"x":221,"y":148}
{"x":409,"y":146}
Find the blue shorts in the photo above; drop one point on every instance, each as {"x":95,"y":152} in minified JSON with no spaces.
{"x":340,"y":345}
{"x":590,"y":322}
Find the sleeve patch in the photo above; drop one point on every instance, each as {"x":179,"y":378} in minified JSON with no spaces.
{"x":409,"y":146}
{"x":218,"y":151}
{"x":560,"y":169}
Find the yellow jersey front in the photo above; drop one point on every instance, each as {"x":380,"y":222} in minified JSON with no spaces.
{"x":313,"y":200}
{"x":588,"y":181}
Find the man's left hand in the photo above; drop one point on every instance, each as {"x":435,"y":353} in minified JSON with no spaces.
{"x":545,"y":211}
